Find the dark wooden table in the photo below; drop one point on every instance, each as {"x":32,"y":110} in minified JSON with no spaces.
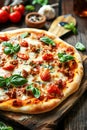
{"x":75,"y":118}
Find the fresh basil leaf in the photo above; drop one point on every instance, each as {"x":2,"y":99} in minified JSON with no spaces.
{"x":60,"y":55}
{"x":7,"y":50}
{"x":71,"y":26}
{"x":7,"y":80}
{"x":29,"y":8}
{"x":17,"y":80}
{"x":24,"y":35}
{"x":47,"y":40}
{"x":7,"y":44}
{"x":7,"y":128}
{"x":11,"y":49}
{"x":65,"y":57}
{"x":2,"y":124}
{"x":2,"y":82}
{"x":79,"y":46}
{"x":34,"y":90}
{"x":16,"y":47}
{"x":41,"y":2}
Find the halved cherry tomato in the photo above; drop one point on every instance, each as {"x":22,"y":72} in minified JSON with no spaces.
{"x":47,"y":57}
{"x":4,"y":16}
{"x":19,"y":8}
{"x":9,"y":67}
{"x":4,"y":38}
{"x":54,"y":89}
{"x":24,"y":44}
{"x":15,"y":16}
{"x":45,"y":75}
{"x":23,"y":56}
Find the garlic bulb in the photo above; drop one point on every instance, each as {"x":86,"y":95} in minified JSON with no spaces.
{"x":48,"y":11}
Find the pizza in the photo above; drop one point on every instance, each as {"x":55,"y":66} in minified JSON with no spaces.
{"x":38,"y":71}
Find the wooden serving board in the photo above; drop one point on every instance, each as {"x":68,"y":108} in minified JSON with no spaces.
{"x":59,"y":30}
{"x":48,"y":120}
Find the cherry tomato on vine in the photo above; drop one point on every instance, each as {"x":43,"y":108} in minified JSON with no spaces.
{"x":15,"y":16}
{"x":19,"y":8}
{"x":6,"y":8}
{"x":4,"y":16}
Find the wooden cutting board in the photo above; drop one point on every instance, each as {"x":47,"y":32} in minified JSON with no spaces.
{"x":59,"y":30}
{"x":48,"y":120}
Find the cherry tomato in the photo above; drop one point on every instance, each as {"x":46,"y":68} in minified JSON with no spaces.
{"x":23,"y":56}
{"x":45,"y":75}
{"x":9,"y":67}
{"x":15,"y":17}
{"x":4,"y":38}
{"x":6,"y":8}
{"x":4,"y":16}
{"x":19,"y":8}
{"x":47,"y":57}
{"x":54,"y":89}
{"x":24,"y":44}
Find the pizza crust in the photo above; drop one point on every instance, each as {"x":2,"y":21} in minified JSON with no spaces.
{"x":46,"y":106}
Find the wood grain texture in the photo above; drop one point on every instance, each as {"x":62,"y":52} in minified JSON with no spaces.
{"x":59,"y":30}
{"x":76,"y":118}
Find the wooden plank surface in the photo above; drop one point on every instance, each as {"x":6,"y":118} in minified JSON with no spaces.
{"x":76,"y":119}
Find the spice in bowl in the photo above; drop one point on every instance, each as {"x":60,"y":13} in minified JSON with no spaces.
{"x":35,"y":20}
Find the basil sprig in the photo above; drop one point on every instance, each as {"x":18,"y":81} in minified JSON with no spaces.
{"x":34,"y":90}
{"x":71,"y":26}
{"x":47,"y":40}
{"x":10,"y":49}
{"x":3,"y":126}
{"x":14,"y":80}
{"x":29,"y":8}
{"x":65,"y":57}
{"x":41,"y":2}
{"x":24,"y":35}
{"x":79,"y":46}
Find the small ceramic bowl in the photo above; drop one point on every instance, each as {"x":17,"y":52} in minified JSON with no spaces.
{"x":35,"y":20}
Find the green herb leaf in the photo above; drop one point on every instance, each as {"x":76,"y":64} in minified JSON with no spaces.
{"x":34,"y":90}
{"x":2,"y":124}
{"x":16,"y":47}
{"x":17,"y":80}
{"x":41,"y":2}
{"x":65,"y":57}
{"x":7,"y":50}
{"x":29,"y":8}
{"x":10,"y":49}
{"x":2,"y":82}
{"x":24,"y":35}
{"x":7,"y":80}
{"x":79,"y":46}
{"x":5,"y":127}
{"x":14,"y":80}
{"x":47,"y":40}
{"x":71,"y":26}
{"x":7,"y":44}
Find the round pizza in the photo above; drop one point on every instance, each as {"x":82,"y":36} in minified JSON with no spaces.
{"x":37,"y":71}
